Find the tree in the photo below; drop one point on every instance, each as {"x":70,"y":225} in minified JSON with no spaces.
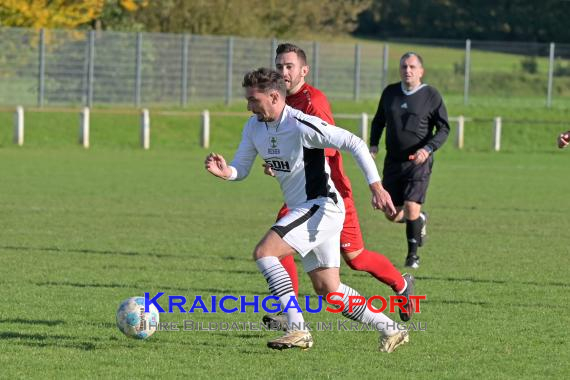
{"x":49,"y":13}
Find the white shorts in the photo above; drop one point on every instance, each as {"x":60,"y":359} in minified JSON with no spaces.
{"x":313,"y":230}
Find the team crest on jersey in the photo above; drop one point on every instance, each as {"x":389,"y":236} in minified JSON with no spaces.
{"x":273,"y":149}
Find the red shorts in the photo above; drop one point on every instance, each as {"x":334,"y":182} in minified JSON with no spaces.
{"x":351,"y":235}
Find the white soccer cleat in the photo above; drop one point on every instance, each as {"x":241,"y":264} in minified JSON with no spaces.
{"x":292,"y":339}
{"x":390,"y":343}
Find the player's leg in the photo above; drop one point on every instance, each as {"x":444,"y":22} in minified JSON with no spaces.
{"x":304,"y":228}
{"x":288,"y":262}
{"x":278,"y":321}
{"x":322,"y":265}
{"x":267,"y":254}
{"x":414,"y":196}
{"x":361,"y":259}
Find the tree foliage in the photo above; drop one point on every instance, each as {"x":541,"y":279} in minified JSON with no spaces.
{"x":511,"y":20}
{"x":49,"y":13}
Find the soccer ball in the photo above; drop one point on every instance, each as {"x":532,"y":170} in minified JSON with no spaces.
{"x":133,"y":321}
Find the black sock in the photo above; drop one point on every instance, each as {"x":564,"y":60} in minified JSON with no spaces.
{"x":413,"y":234}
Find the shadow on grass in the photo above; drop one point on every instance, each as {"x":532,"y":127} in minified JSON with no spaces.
{"x":185,"y":291}
{"x":90,"y":251}
{"x":488,"y":281}
{"x":496,"y":305}
{"x":33,"y":321}
{"x":128,"y":253}
{"x":46,"y":340}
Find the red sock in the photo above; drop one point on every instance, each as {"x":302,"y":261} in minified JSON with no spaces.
{"x":289,"y":265}
{"x":380,"y":267}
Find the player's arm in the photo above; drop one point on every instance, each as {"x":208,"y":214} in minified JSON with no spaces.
{"x":377,"y":126}
{"x":341,"y":139}
{"x":241,"y":164}
{"x":438,"y":118}
{"x":563,"y":139}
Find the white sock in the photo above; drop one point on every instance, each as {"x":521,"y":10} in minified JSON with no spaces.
{"x":280,"y":286}
{"x":379,"y":321}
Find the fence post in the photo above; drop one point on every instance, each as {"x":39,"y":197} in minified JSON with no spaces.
{"x":550,"y":76}
{"x":315,"y":67}
{"x":90,"y":67}
{"x":229,"y":69}
{"x":138,"y":70}
{"x":184,"y":73}
{"x":364,"y":126}
{"x":84,"y":127}
{"x":356,"y":71}
{"x":145,"y":129}
{"x":497,"y":134}
{"x":467,"y":71}
{"x":41,"y":68}
{"x":205,"y":130}
{"x":460,"y":131}
{"x":19,"y":126}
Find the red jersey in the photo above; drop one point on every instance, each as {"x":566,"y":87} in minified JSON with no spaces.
{"x":311,"y":101}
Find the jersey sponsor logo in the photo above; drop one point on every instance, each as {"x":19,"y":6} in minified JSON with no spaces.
{"x":278,"y":165}
{"x":404,"y":105}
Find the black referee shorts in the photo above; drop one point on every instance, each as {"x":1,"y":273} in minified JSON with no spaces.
{"x":406,"y":181}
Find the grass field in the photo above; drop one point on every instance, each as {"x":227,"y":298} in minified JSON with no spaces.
{"x":81,"y":230}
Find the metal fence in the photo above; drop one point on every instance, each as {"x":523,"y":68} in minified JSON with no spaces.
{"x":70,"y":67}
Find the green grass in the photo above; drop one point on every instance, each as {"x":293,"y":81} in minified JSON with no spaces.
{"x":81,"y":230}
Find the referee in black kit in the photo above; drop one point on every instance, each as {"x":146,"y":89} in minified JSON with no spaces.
{"x":410,"y":111}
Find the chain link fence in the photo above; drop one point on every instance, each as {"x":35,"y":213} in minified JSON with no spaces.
{"x":70,"y":67}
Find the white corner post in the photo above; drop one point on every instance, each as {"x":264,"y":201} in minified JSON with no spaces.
{"x":497,"y":134}
{"x":84,"y":127}
{"x":19,"y":126}
{"x":145,"y":129}
{"x":364,"y":126}
{"x":205,"y":129}
{"x":460,"y":131}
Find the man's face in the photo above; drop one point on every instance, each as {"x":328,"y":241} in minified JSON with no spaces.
{"x":411,"y":72}
{"x":293,"y":70}
{"x":261,"y":103}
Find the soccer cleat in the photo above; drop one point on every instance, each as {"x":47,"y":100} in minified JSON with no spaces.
{"x":410,"y":305}
{"x":423,"y":233}
{"x":412,"y":262}
{"x":390,"y":343}
{"x":275,"y":321}
{"x":292,"y":339}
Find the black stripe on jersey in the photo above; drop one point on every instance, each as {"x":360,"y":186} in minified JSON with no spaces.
{"x":284,"y":230}
{"x":316,"y":178}
{"x":310,"y":126}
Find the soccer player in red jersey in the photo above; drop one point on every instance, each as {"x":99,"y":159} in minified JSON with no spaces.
{"x":291,"y":62}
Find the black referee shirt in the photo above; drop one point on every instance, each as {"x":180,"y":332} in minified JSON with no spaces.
{"x":410,"y":121}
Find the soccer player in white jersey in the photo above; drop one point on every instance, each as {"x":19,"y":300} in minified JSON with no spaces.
{"x":293,"y":144}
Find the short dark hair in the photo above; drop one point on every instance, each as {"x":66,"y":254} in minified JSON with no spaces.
{"x":265,"y":79}
{"x":290,"y":48}
{"x":412,"y":54}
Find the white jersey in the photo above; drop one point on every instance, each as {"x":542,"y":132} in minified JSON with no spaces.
{"x":294,"y":147}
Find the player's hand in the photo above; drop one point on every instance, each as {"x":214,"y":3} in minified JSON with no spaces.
{"x":216,"y":164}
{"x":381,"y":199}
{"x":373,"y":150}
{"x":563,"y":140}
{"x":267,"y":170}
{"x":419,"y":157}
